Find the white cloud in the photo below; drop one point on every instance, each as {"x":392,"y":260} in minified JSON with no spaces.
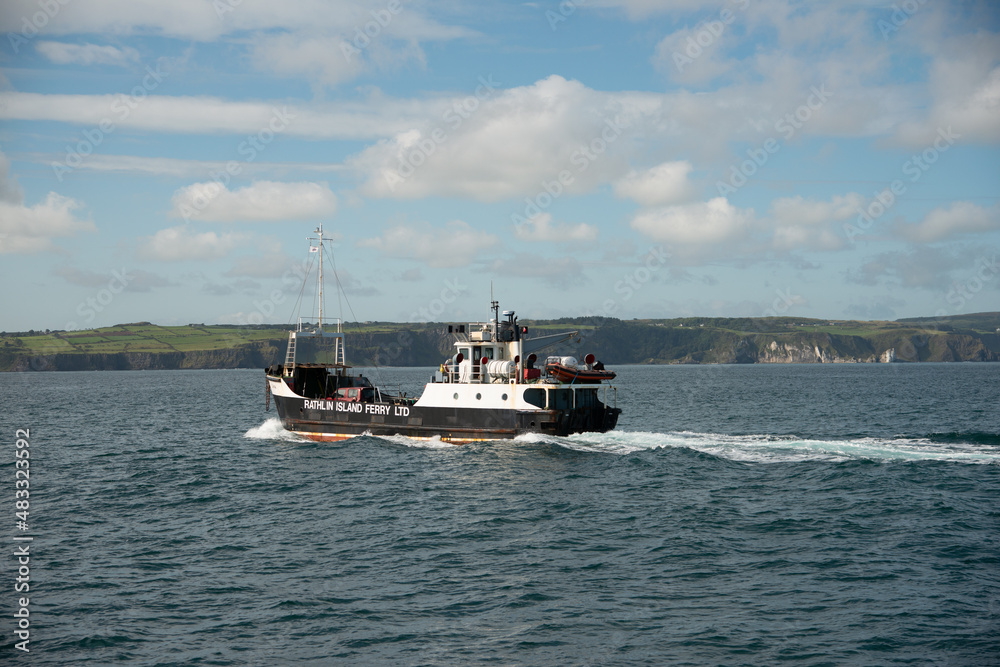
{"x":133,"y":280}
{"x":960,"y":218}
{"x":456,"y":244}
{"x":799,"y":211}
{"x":540,"y":228}
{"x":355,"y":41}
{"x":501,"y":143}
{"x":302,"y":38}
{"x":262,"y":200}
{"x":561,"y":272}
{"x":294,"y":55}
{"x":190,"y":19}
{"x":206,"y":21}
{"x":31,"y":229}
{"x":934,"y":268}
{"x":202,"y":115}
{"x":178,"y":244}
{"x":715,"y":222}
{"x":520,"y":138}
{"x":274,"y":264}
{"x":62,"y":53}
{"x":505,"y":144}
{"x":664,"y":184}
{"x":182,"y":168}
{"x":10,"y":189}
{"x":807,"y":224}
{"x":717,"y":229}
{"x":641,"y":9}
{"x":962,"y":91}
{"x":681,"y":56}
{"x":970,"y":116}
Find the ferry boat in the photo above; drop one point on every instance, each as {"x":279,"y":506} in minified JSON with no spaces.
{"x":491,"y":387}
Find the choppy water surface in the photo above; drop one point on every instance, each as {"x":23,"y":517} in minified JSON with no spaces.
{"x":819,"y":515}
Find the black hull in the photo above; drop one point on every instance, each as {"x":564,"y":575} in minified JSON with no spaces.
{"x":337,"y":420}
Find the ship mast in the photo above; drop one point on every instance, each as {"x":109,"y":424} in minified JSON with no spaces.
{"x":320,"y":230}
{"x":319,"y":237}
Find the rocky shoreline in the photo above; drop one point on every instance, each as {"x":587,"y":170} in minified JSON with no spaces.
{"x":614,"y":342}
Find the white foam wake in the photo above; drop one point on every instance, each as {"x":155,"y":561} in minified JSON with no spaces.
{"x":749,"y":448}
{"x":775,"y":448}
{"x":272,"y":430}
{"x":430,"y":443}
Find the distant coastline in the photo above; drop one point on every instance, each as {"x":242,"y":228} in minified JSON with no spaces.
{"x":692,"y":340}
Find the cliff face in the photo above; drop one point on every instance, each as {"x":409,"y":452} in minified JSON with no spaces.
{"x":406,"y":348}
{"x":855,"y":349}
{"x":614,"y":342}
{"x":625,"y":343}
{"x":790,"y":353}
{"x":254,"y":355}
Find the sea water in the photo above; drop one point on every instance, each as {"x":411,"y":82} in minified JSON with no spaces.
{"x":820,"y":515}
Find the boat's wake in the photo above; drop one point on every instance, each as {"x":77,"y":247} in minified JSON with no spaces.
{"x":776,"y":448}
{"x":750,"y":448}
{"x":422,"y":443}
{"x":272,"y":430}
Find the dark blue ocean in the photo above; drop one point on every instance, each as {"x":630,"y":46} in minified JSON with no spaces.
{"x":739,"y":515}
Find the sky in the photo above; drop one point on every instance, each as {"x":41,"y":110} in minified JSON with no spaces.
{"x":166,"y":162}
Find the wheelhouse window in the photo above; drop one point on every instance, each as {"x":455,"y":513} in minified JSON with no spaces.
{"x":348,"y":394}
{"x":535,"y":397}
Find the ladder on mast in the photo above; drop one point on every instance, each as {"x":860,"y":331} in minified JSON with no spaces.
{"x":290,"y":355}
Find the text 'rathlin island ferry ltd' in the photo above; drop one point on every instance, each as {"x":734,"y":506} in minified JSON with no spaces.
{"x":488,"y":389}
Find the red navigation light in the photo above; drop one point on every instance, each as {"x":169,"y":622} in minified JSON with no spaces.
{"x":484,"y":361}
{"x":589,"y":359}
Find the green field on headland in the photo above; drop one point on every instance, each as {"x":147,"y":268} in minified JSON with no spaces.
{"x":142,"y":345}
